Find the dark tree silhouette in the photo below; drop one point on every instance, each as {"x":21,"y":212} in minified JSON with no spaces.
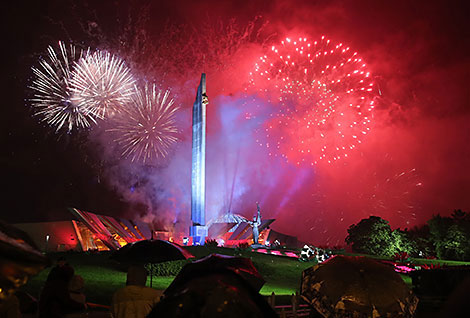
{"x":450,"y":236}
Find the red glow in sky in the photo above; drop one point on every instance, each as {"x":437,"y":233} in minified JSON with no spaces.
{"x":324,"y":95}
{"x":411,"y":163}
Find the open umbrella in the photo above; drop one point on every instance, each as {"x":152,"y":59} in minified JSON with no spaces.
{"x":241,"y":266}
{"x":215,"y":286}
{"x":19,"y":259}
{"x":150,"y":252}
{"x":358,"y":287}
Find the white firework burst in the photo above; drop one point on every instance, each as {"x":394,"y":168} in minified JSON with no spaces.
{"x":102,"y":84}
{"x":53,"y":99}
{"x":146,"y":129}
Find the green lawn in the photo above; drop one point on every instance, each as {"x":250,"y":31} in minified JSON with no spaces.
{"x":103,"y":276}
{"x":415,"y":261}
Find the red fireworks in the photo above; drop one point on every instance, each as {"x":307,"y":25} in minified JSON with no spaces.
{"x":323,"y":95}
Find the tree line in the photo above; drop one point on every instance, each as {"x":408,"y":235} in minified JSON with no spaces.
{"x":441,"y":237}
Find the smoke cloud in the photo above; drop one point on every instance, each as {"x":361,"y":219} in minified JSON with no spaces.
{"x":413,"y":164}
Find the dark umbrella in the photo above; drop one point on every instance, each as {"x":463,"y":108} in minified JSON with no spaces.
{"x":357,"y":286}
{"x":19,"y":259}
{"x":216,"y":286}
{"x":241,"y":266}
{"x":150,"y":252}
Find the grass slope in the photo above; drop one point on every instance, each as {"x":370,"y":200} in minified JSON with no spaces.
{"x":103,"y":276}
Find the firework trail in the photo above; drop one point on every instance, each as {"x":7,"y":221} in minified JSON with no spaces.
{"x":53,"y":99}
{"x":102,"y":84}
{"x":145,"y":130}
{"x":393,"y":196}
{"x":324,"y":95}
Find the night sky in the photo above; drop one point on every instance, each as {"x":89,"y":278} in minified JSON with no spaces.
{"x":412,"y":164}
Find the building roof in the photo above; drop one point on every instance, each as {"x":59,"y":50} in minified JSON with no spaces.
{"x":228,"y":218}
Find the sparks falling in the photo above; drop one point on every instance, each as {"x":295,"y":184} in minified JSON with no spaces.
{"x":324,"y":99}
{"x":102,"y":84}
{"x":53,"y":99}
{"x":146,"y":129}
{"x":392,"y":195}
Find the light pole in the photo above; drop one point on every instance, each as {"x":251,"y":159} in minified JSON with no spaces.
{"x":47,"y":243}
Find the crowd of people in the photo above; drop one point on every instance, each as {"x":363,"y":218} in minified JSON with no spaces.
{"x":63,"y":294}
{"x":56,"y":298}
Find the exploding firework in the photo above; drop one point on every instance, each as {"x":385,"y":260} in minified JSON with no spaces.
{"x":53,"y":99}
{"x":102,"y":84}
{"x":323,"y":95}
{"x":146,"y":129}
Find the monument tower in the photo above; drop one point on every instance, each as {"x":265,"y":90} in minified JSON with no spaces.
{"x":198,"y":230}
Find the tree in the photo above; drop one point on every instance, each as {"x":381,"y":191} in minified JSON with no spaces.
{"x":401,"y":242}
{"x":370,"y":236}
{"x":451,"y":235}
{"x":421,"y":238}
{"x":460,"y":215}
{"x":456,"y":244}
{"x":374,"y":236}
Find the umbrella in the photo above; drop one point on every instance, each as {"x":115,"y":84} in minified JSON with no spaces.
{"x":150,"y":251}
{"x":241,"y":266}
{"x":19,"y":259}
{"x":216,"y":286}
{"x":357,"y":287}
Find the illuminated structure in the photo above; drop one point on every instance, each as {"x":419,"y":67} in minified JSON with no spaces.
{"x":198,"y":230}
{"x":84,"y":231}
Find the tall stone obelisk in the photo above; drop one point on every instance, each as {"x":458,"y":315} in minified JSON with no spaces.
{"x":198,"y":230}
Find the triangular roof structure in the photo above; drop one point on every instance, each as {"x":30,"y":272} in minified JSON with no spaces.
{"x":85,"y":231}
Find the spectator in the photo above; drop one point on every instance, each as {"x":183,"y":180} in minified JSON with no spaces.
{"x":19,"y":260}
{"x":135,"y":300}
{"x":457,"y":302}
{"x":55,"y":300}
{"x":10,"y":307}
{"x":76,"y":287}
{"x":62,"y":270}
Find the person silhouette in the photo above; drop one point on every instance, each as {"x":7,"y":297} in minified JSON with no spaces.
{"x":135,"y":300}
{"x":55,"y":300}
